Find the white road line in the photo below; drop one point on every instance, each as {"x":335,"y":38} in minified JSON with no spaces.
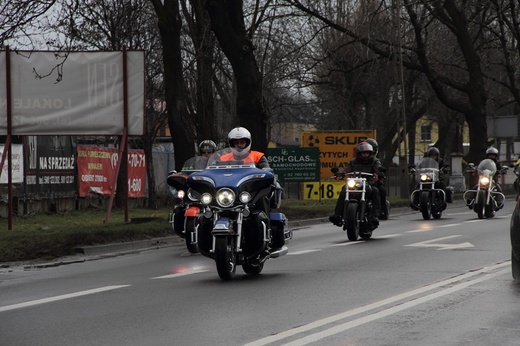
{"x":348,"y":243}
{"x":449,"y":225}
{"x":471,"y":221}
{"x":392,"y":310}
{"x":303,"y":252}
{"x":381,"y":303}
{"x":61,"y":297}
{"x":170,"y":276}
{"x":387,"y":236}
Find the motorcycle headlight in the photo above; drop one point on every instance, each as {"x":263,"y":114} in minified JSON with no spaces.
{"x":425,"y":177}
{"x":351,"y":183}
{"x":484,"y":181}
{"x":206,"y":198}
{"x":225,"y":197}
{"x":245,"y":197}
{"x":181,"y":194}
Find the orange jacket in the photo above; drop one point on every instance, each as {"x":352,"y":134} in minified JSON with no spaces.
{"x":254,"y":156}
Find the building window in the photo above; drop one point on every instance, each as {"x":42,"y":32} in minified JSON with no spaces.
{"x":426,"y":133}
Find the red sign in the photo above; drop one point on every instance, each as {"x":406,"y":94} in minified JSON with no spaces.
{"x":96,"y":167}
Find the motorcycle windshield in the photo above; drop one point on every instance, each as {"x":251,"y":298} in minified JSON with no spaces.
{"x":225,"y":158}
{"x":428,"y":166}
{"x":487,"y":165}
{"x":224,"y":170}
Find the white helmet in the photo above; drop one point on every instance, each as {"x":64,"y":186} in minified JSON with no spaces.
{"x":240,"y":133}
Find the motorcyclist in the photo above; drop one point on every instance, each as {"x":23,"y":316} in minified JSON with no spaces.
{"x":367,"y":163}
{"x":239,"y":140}
{"x":380,"y":182}
{"x":492,"y":154}
{"x":206,"y":149}
{"x":434,"y":153}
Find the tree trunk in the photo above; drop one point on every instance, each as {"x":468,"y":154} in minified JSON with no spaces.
{"x":169,"y":22}
{"x":227,"y":22}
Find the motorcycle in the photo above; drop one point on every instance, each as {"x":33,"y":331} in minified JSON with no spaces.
{"x":184,"y":215}
{"x":358,"y":210}
{"x":236,"y":226}
{"x":484,"y":199}
{"x":427,"y":198}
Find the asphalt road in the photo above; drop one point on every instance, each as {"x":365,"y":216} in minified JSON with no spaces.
{"x":433,"y":282}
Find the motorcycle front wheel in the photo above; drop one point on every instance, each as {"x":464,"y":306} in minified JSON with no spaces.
{"x":189,"y":231}
{"x":352,"y":221}
{"x":425,"y":205}
{"x":480,"y":204}
{"x":225,"y":257}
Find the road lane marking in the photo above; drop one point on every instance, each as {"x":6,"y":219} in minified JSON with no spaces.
{"x":60,"y":297}
{"x":391,"y":300}
{"x":449,"y":225}
{"x":390,"y":311}
{"x":419,"y":230}
{"x":471,"y":221}
{"x":348,"y":243}
{"x":387,"y":236}
{"x":169,"y":276}
{"x":303,"y":252}
{"x":441,"y":246}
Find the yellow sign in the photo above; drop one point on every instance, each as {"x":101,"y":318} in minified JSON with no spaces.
{"x":324,"y":190}
{"x":336,"y":148}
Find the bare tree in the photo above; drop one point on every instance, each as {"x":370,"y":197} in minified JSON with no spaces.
{"x":19,"y":20}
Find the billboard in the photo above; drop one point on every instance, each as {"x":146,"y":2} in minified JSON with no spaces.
{"x":336,"y":147}
{"x":295,"y":164}
{"x":73,"y":93}
{"x":50,"y":166}
{"x":96,"y":167}
{"x":16,"y":164}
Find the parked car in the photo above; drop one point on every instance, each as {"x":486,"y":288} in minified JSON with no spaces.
{"x":515,"y":242}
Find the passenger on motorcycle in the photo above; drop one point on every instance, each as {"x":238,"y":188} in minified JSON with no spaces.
{"x":381,"y":181}
{"x":367,"y":163}
{"x":206,"y":149}
{"x":434,"y":153}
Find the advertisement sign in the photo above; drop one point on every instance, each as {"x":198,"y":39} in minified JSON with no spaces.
{"x":72,"y":93}
{"x":295,"y":164}
{"x":336,"y":148}
{"x":322,"y":190}
{"x":16,"y":164}
{"x":96,"y":167}
{"x":50,"y":165}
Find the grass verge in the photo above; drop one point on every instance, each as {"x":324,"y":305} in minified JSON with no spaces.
{"x":49,"y":236}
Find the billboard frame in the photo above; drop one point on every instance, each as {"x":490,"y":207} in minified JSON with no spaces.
{"x":123,"y":148}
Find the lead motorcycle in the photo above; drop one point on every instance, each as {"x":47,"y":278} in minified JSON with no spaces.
{"x":185,"y":213}
{"x":233,"y":230}
{"x":358,"y":213}
{"x":427,"y":198}
{"x":484,"y":199}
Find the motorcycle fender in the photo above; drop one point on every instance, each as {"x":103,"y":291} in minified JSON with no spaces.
{"x":192,"y":211}
{"x":223,"y":226}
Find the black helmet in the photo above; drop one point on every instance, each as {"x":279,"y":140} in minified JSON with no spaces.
{"x":433,"y":152}
{"x":207,"y":146}
{"x":373,"y":143}
{"x":364,"y":147}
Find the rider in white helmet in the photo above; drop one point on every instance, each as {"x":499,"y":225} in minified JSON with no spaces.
{"x":239,"y":140}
